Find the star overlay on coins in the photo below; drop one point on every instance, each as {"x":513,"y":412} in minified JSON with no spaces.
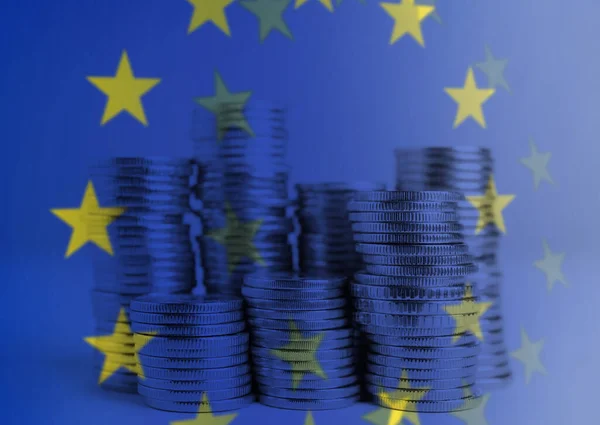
{"x":476,"y":415}
{"x":297,"y":344}
{"x":326,"y":3}
{"x":385,"y":416}
{"x":494,"y":70}
{"x":237,"y":238}
{"x":465,"y":321}
{"x":397,"y":400}
{"x":470,"y":100}
{"x":113,"y":361}
{"x":124,"y":91}
{"x":209,"y":11}
{"x":206,"y":417}
{"x":490,"y":206}
{"x":223,"y":95}
{"x":309,"y":419}
{"x":89,"y":222}
{"x":529,"y":355}
{"x":270,"y":16}
{"x":407,"y":19}
{"x":538,"y":163}
{"x":551,"y":266}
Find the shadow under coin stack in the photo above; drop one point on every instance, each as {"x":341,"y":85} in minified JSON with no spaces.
{"x":467,"y":170}
{"x":302,"y":346}
{"x":151,"y":245}
{"x":193,"y":350}
{"x":245,"y":216}
{"x":325,"y":244}
{"x":412,"y":303}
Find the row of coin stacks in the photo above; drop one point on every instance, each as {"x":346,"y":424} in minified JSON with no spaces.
{"x":468,"y":170}
{"x":151,"y":248}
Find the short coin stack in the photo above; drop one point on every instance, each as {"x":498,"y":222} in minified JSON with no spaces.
{"x":246,"y":220}
{"x":192,"y":347}
{"x":412,"y":302}
{"x":325,"y":244}
{"x":150,"y":241}
{"x":302,"y":346}
{"x":467,"y":170}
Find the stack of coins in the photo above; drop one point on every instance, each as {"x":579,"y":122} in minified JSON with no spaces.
{"x":150,"y":242}
{"x":246,"y":213}
{"x":302,"y":346}
{"x":190,"y":347}
{"x":467,"y":170}
{"x":419,"y":356}
{"x":325,"y":244}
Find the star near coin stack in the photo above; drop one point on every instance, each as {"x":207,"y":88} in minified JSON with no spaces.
{"x":302,"y":345}
{"x":412,"y":303}
{"x":468,"y":170}
{"x":193,"y":350}
{"x":151,"y":253}
{"x":245,"y":216}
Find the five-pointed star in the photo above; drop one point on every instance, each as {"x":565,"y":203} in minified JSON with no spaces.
{"x":490,"y":206}
{"x":222,"y":96}
{"x":529,"y":355}
{"x":209,"y":11}
{"x":494,"y":69}
{"x":470,"y":100}
{"x":435,"y":15}
{"x":124,"y":91}
{"x":89,"y":222}
{"x":326,"y":3}
{"x":550,"y":265}
{"x":270,"y":15}
{"x":475,"y":416}
{"x":396,"y":401}
{"x":407,"y":19}
{"x":309,"y":419}
{"x":114,"y":361}
{"x":297,"y":347}
{"x":537,"y":163}
{"x":206,"y":417}
{"x":463,"y":314}
{"x":237,"y":238}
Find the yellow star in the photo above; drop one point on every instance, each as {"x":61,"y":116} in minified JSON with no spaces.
{"x":490,"y":206}
{"x":237,"y":238}
{"x":475,"y":416}
{"x":114,"y":361}
{"x":529,"y":355}
{"x":205,"y":416}
{"x":89,"y":222}
{"x":209,"y":11}
{"x":470,"y":100}
{"x":295,"y":353}
{"x":407,"y":19}
{"x":124,"y":91}
{"x":397,"y":400}
{"x":309,"y":419}
{"x":463,"y":314}
{"x":326,"y":3}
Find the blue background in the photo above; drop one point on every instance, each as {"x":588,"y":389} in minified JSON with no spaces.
{"x":352,"y":99}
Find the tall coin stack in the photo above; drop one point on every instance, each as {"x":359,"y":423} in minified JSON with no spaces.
{"x":467,"y":170}
{"x":412,"y":302}
{"x":325,"y":244}
{"x":302,"y":346}
{"x":193,"y":350}
{"x":150,"y":241}
{"x":246,"y":208}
